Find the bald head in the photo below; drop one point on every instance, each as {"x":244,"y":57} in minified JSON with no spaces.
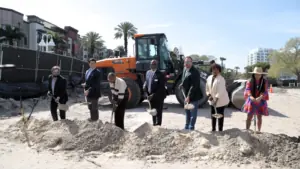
{"x":111,"y":77}
{"x":153,"y":65}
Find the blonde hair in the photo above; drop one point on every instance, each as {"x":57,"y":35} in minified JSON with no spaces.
{"x":55,"y":67}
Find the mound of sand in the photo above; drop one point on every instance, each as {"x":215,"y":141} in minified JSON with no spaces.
{"x":231,"y":146}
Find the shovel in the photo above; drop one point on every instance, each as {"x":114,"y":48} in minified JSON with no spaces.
{"x":151,"y":111}
{"x":63,"y":107}
{"x":86,"y":102}
{"x":35,"y":102}
{"x":187,"y":106}
{"x":254,"y":121}
{"x":113,"y":112}
{"x":217,"y":115}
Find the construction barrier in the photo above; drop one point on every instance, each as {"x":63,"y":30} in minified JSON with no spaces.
{"x":34,"y":66}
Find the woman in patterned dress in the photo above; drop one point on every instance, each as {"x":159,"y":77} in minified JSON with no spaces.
{"x":256,"y":96}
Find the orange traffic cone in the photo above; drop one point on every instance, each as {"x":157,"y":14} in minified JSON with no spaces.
{"x":271,"y":89}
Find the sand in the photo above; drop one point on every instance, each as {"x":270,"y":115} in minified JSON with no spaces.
{"x":77,"y":143}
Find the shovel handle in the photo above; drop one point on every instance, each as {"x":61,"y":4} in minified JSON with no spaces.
{"x":183,"y":94}
{"x":149,"y":104}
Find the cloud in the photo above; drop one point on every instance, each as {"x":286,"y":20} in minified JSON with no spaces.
{"x":159,"y":25}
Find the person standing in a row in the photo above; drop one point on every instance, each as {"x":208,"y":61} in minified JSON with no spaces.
{"x":191,"y":87}
{"x":120,"y":96}
{"x":154,"y":86}
{"x":57,"y":90}
{"x":217,"y":96}
{"x":92,"y":89}
{"x":256,"y":96}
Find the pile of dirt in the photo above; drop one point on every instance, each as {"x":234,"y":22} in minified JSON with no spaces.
{"x":230,"y":146}
{"x":68,"y":135}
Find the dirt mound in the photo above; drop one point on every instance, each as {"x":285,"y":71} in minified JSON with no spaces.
{"x":68,"y":134}
{"x":230,"y":146}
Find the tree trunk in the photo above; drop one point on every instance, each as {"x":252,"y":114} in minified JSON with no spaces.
{"x":298,"y":77}
{"x":92,"y":50}
{"x":125,"y":43}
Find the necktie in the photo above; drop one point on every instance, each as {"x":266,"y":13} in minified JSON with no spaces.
{"x":151,"y":73}
{"x":184,"y":73}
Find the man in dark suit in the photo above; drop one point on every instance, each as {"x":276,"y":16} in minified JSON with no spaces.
{"x":154,"y":86}
{"x":92,"y":89}
{"x":191,"y":87}
{"x":57,"y":89}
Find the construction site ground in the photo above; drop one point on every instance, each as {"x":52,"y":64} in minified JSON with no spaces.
{"x":76,"y":143}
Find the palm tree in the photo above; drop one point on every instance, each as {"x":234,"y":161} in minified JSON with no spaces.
{"x":92,"y":41}
{"x":11,"y":34}
{"x":125,"y":30}
{"x":236,"y":69}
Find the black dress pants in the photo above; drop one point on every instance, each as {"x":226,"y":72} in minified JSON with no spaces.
{"x":158,"y":105}
{"x":120,"y":113}
{"x":53,"y":109}
{"x":220,"y":110}
{"x":93,"y":107}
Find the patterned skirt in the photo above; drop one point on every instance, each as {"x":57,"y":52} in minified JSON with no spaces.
{"x":258,"y":108}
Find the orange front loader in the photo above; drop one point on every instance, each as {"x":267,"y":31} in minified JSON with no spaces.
{"x":133,"y":69}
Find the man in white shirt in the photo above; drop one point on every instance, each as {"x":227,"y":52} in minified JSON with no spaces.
{"x":120,"y":95}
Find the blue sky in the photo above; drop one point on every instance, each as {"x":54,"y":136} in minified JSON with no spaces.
{"x":223,"y":28}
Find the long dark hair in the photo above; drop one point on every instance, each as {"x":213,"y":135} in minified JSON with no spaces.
{"x":260,"y":87}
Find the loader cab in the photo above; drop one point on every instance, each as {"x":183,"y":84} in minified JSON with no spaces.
{"x":149,"y":47}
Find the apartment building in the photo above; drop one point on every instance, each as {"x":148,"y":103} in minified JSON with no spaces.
{"x":259,"y":55}
{"x":14,"y":19}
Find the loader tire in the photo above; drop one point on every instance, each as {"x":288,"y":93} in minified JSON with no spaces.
{"x":134,"y":93}
{"x":180,"y":97}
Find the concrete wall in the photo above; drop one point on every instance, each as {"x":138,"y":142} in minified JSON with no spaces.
{"x":33,"y":34}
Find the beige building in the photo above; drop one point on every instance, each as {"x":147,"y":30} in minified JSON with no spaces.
{"x":15,"y":20}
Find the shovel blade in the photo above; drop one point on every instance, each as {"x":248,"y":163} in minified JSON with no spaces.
{"x":217,"y":116}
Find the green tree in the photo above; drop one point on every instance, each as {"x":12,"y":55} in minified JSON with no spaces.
{"x":109,"y":53}
{"x":60,"y":43}
{"x":287,"y":59}
{"x":11,"y":34}
{"x":92,"y":41}
{"x":236,"y":69}
{"x":125,"y":30}
{"x":265,"y":66}
{"x":120,"y":51}
{"x":195,"y":57}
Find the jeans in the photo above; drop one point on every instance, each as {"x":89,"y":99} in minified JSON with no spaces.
{"x":191,"y":116}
